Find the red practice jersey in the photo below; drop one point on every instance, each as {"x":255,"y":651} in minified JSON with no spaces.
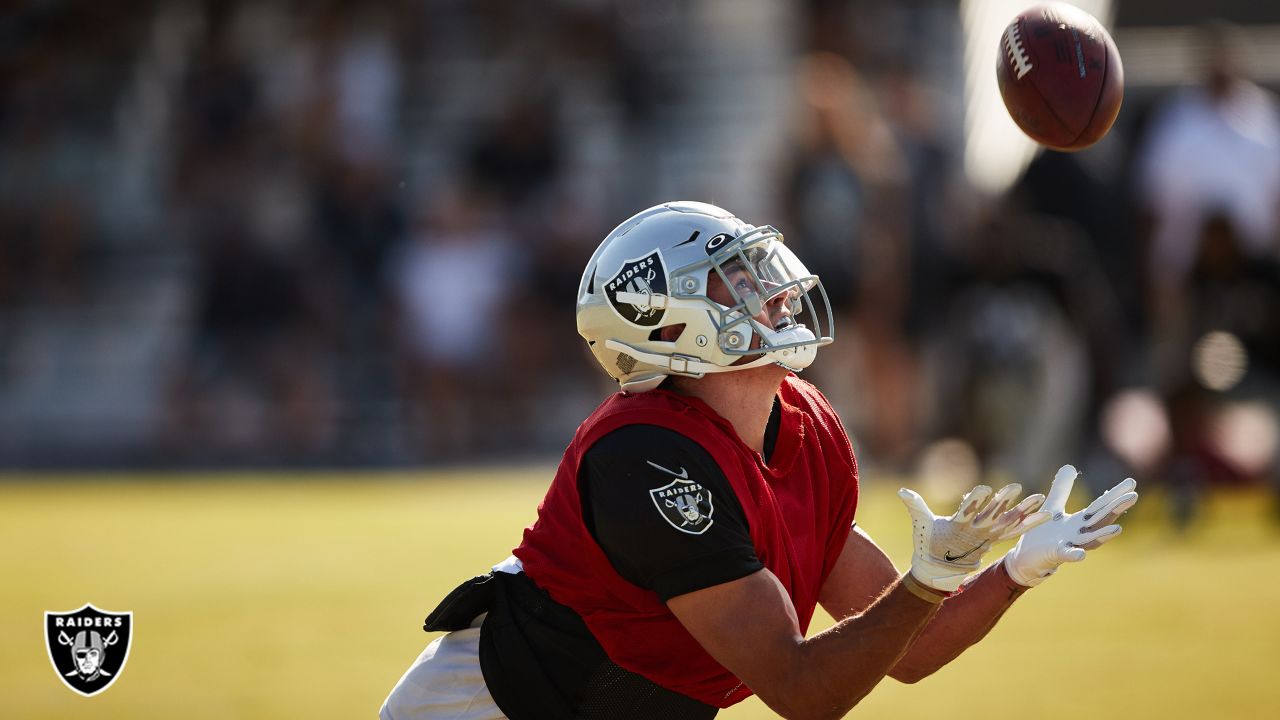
{"x":799,"y":508}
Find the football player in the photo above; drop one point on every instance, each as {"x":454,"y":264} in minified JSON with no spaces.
{"x":701,"y":514}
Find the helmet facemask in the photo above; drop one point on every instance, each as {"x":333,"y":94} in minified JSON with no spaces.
{"x":762,"y":301}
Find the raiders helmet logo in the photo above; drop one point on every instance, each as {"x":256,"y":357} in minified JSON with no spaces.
{"x":643,"y":276}
{"x":88,"y":647}
{"x":685,"y":504}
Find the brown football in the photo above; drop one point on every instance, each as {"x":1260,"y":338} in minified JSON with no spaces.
{"x":1060,"y":76}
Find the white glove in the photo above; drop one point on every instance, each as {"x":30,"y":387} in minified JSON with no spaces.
{"x":1065,"y":538}
{"x":948,"y":549}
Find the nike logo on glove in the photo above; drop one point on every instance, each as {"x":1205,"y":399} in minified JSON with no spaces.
{"x":952,"y":558}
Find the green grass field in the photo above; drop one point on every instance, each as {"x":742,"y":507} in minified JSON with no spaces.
{"x":302,"y":597}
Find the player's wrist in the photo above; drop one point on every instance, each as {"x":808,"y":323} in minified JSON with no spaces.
{"x":1022,"y":578}
{"x":940,"y":577}
{"x":1005,"y":575}
{"x":924,"y":591}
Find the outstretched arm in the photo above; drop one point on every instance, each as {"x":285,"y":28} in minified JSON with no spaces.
{"x":963,"y":620}
{"x":864,"y":571}
{"x":966,"y":618}
{"x":750,"y":626}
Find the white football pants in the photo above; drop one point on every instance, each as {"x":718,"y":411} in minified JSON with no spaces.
{"x":444,"y":683}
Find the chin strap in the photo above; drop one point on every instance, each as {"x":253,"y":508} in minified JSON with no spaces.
{"x":682,"y":364}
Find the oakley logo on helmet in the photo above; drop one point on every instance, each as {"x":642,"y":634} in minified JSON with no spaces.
{"x":644,"y":276}
{"x":685,"y":504}
{"x":716,"y":242}
{"x":88,"y":647}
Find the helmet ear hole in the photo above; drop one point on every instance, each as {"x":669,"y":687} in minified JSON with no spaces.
{"x":667,"y":333}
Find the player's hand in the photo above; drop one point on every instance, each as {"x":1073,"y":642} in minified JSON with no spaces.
{"x":948,"y":549}
{"x":1065,"y":538}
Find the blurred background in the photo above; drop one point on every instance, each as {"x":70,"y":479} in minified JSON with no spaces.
{"x":318,"y":238}
{"x":348,"y":234}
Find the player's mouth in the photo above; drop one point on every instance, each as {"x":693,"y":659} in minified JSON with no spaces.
{"x":786,"y":322}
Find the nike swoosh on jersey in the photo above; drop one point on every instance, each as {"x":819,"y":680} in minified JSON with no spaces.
{"x":683,"y":474}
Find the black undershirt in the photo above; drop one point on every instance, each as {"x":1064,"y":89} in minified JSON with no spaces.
{"x":634,"y":484}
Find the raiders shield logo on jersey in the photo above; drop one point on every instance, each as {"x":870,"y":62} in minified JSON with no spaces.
{"x":637,"y":281}
{"x":88,"y":647}
{"x":683,"y":503}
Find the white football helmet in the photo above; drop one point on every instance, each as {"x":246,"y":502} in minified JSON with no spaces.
{"x":654,"y":270}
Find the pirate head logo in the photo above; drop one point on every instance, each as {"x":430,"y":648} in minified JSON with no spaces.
{"x":88,"y":647}
{"x":685,"y":504}
{"x":638,"y":280}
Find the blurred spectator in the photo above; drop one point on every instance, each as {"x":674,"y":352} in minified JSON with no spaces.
{"x":1008,"y":368}
{"x":1222,"y":401}
{"x":1102,"y":302}
{"x":43,"y":252}
{"x":1065,"y":186}
{"x":1235,"y":291}
{"x":933,"y":211}
{"x":519,"y":153}
{"x":255,"y":382}
{"x":358,"y":223}
{"x":1208,"y":176}
{"x":366,"y":80}
{"x":564,"y":236}
{"x":8,"y":251}
{"x":218,"y":123}
{"x":1228,"y":130}
{"x":46,"y":220}
{"x":334,"y":85}
{"x":844,"y":195}
{"x":452,"y":283}
{"x":60,"y":241}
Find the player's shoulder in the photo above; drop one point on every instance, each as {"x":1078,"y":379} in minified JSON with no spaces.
{"x":653,"y":407}
{"x":640,"y":440}
{"x":649,"y":457}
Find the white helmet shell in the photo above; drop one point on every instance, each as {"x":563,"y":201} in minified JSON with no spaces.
{"x":654,"y":271}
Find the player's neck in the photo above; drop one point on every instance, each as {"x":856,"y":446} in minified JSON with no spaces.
{"x":744,"y":398}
